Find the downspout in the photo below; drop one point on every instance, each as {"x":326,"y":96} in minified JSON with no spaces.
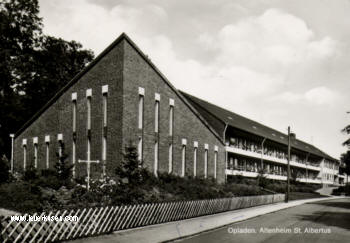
{"x":226,"y":156}
{"x":224,"y":133}
{"x":322,"y":176}
{"x":262,"y":154}
{"x":307,"y":158}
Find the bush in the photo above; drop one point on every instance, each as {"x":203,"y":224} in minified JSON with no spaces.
{"x":4,"y":170}
{"x":20,"y":196}
{"x":30,"y":174}
{"x":342,"y":189}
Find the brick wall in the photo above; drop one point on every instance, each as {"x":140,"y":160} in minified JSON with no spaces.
{"x":57,"y":118}
{"x":139,"y":73}
{"x":124,"y":70}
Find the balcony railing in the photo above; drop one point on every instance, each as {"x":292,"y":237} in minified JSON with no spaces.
{"x":258,"y":155}
{"x":274,"y":175}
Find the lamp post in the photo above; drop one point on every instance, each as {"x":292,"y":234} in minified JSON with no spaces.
{"x":288,"y":168}
{"x":12,"y":137}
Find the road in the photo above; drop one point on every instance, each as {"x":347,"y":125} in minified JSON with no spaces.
{"x":326,"y":221}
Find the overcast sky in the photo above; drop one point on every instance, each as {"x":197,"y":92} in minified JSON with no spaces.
{"x":277,"y":62}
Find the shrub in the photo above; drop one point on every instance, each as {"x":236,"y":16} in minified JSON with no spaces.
{"x":342,"y":189}
{"x":4,"y":170}
{"x":20,"y":196}
{"x":30,"y":174}
{"x":130,"y":170}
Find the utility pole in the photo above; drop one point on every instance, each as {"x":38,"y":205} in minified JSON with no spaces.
{"x":288,"y":167}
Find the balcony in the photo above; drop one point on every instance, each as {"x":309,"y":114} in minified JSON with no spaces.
{"x":256,"y":155}
{"x":310,"y":180}
{"x":276,"y":176}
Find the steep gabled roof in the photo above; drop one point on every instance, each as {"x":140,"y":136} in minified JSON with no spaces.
{"x":123,"y":36}
{"x":217,"y":115}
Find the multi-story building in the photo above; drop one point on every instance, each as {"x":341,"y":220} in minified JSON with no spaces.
{"x":122,"y":98}
{"x":252,"y":148}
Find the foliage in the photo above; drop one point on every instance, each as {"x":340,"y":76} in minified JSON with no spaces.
{"x":30,"y":174}
{"x":346,"y":130}
{"x":262,"y":178}
{"x":33,"y":66}
{"x":4,"y":170}
{"x":130,"y":170}
{"x":20,"y":196}
{"x":345,"y":158}
{"x":63,"y":169}
{"x":342,"y":190}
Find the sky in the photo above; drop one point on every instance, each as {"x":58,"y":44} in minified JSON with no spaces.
{"x":280,"y":63}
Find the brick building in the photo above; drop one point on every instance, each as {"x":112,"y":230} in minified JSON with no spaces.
{"x":121,"y":97}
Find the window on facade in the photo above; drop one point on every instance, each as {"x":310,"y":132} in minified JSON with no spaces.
{"x":156,"y":158}
{"x":60,"y":142}
{"x":88,"y":98}
{"x":104,"y":104}
{"x":47,"y":141}
{"x":35,"y":143}
{"x":139,"y":148}
{"x":88,"y":127}
{"x":171,"y":116}
{"x":74,"y":111}
{"x":156,"y":113}
{"x":24,"y":144}
{"x":183,"y":160}
{"x":206,"y":148}
{"x":74,"y":126}
{"x":215,"y":160}
{"x":104,"y":132}
{"x":170,"y":158}
{"x":195,"y":152}
{"x":140,"y":116}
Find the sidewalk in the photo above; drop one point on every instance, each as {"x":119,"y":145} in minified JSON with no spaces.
{"x":183,"y":228}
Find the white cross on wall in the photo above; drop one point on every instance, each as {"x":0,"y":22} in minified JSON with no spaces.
{"x":88,"y":162}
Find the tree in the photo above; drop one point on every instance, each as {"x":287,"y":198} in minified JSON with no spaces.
{"x":345,"y":158}
{"x":55,"y":64}
{"x":63,"y":170}
{"x":4,"y":170}
{"x":33,"y":66}
{"x":20,"y":27}
{"x":130,"y":170}
{"x":347,"y":131}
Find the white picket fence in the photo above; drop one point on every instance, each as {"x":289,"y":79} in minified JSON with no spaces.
{"x":101,"y":220}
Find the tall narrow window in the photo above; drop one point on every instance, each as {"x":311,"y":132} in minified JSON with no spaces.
{"x":88,"y":126}
{"x":140,"y":116}
{"x":139,"y":148}
{"x":35,"y":143}
{"x":104,"y":135}
{"x":171,"y":117}
{"x":140,"y":123}
{"x":170,"y":157}
{"x":74,"y":128}
{"x":156,"y":112}
{"x":60,"y":144}
{"x":156,"y":158}
{"x":195,"y":151}
{"x":183,"y":157}
{"x":215,"y":159}
{"x":24,"y":144}
{"x":47,"y":141}
{"x":206,"y":148}
{"x":74,"y":111}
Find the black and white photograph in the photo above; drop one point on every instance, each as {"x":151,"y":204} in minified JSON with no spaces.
{"x":174,"y":121}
